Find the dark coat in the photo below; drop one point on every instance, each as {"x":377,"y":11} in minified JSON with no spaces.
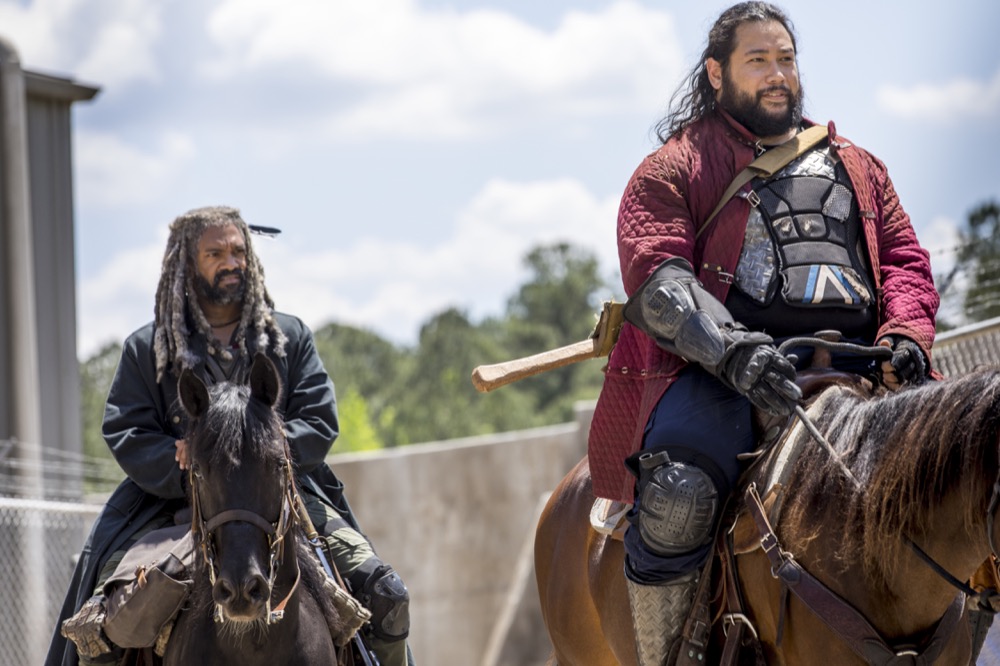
{"x":143,"y":419}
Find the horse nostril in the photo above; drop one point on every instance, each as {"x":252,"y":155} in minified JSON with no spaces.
{"x":223,"y":592}
{"x":255,"y":589}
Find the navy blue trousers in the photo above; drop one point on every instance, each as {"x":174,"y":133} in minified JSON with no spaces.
{"x":699,"y":422}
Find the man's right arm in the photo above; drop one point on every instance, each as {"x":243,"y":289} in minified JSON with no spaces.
{"x":674,"y":309}
{"x":135,"y":425}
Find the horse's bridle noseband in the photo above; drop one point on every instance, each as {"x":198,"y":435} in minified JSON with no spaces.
{"x":204,"y":530}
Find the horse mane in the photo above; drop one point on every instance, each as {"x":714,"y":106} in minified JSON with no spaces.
{"x":908,"y":450}
{"x":235,"y":428}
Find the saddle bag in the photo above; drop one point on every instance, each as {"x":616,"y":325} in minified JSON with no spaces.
{"x":146,"y":591}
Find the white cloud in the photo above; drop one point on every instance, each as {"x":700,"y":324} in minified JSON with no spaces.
{"x":952,"y":102}
{"x":121,"y":51}
{"x":390,"y":287}
{"x":940,"y":238}
{"x":119,"y":299}
{"x":446,"y":73}
{"x":112,"y":173}
{"x":30,"y":32}
{"x":393,"y":287}
{"x":111,"y":41}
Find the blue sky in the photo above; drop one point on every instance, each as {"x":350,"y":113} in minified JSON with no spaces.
{"x":413,"y":151}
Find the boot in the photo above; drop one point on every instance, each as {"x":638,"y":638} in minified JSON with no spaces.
{"x":658,"y":615}
{"x":86,"y":630}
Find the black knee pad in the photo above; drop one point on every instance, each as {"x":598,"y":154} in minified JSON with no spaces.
{"x":380,"y":589}
{"x":677,"y":503}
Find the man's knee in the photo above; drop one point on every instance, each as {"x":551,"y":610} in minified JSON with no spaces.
{"x":677,"y":505}
{"x":381,"y":590}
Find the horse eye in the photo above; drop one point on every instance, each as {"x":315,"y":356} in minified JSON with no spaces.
{"x":196,"y":470}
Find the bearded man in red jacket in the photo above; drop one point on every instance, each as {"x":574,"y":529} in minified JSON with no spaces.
{"x":821,"y":244}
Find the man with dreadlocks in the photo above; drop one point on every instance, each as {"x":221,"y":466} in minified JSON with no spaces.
{"x":713,"y":279}
{"x":212,"y":314}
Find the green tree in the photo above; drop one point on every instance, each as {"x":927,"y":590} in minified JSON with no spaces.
{"x":361,"y":361}
{"x":101,"y":472}
{"x":437,"y":401}
{"x":980,"y":253}
{"x":358,"y":432}
{"x":557,"y":306}
{"x":978,"y":261}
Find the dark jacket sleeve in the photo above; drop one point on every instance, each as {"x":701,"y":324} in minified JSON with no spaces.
{"x":310,"y":406}
{"x":136,"y":421}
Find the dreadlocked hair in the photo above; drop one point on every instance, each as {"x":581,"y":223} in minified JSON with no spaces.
{"x":695,"y":98}
{"x":176,"y":305}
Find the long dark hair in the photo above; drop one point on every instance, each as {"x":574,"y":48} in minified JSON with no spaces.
{"x":695,"y":98}
{"x":175,"y":296}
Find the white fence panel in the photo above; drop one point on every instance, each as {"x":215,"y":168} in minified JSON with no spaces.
{"x":39,"y":542}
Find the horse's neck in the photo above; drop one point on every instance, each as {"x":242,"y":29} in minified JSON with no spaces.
{"x":916,"y":597}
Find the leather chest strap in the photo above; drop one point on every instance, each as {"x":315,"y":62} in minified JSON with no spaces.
{"x":842,"y":618}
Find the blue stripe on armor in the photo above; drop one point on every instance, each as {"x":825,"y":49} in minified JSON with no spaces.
{"x":838,"y":271}
{"x":811,"y":284}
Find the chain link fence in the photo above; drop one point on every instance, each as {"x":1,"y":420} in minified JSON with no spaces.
{"x":39,"y":543}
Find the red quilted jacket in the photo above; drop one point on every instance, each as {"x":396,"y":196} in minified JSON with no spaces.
{"x":671,"y":193}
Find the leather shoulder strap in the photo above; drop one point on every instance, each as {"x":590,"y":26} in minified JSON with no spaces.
{"x":768,"y":164}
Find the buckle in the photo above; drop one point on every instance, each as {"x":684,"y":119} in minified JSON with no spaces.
{"x":730,"y":620}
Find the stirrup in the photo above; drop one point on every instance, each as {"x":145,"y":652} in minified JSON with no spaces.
{"x":607,"y":517}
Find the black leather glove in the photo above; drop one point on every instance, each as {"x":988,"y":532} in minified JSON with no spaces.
{"x":754,"y":368}
{"x":908,"y":364}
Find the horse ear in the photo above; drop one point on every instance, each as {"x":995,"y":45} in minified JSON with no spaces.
{"x":192,"y":392}
{"x":265,"y":384}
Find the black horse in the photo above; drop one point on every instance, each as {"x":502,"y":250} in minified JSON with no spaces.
{"x":258,"y":594}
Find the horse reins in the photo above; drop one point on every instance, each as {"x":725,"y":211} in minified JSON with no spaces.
{"x":991,"y":512}
{"x":836,"y":613}
{"x":276,"y":531}
{"x":842,"y":618}
{"x":875,"y":352}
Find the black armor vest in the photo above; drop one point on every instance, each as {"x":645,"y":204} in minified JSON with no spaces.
{"x":803,"y":266}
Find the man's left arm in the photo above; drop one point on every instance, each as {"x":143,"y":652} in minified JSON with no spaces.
{"x":310,"y":406}
{"x":909,"y":298}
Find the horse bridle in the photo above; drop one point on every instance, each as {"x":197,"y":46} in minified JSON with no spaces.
{"x":843,"y":619}
{"x":991,"y":512}
{"x":203,"y":530}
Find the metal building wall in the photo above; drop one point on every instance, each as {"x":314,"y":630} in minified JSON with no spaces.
{"x":39,"y":370}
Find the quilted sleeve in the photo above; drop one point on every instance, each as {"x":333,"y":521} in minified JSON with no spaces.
{"x":654,"y":221}
{"x":909,"y":298}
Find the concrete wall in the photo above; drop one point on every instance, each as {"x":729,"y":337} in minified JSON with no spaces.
{"x":457,"y":521}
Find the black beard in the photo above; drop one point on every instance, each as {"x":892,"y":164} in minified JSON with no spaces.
{"x":749,"y":112}
{"x":218,"y":295}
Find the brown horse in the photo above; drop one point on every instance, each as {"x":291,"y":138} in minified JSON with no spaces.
{"x":924,"y":462}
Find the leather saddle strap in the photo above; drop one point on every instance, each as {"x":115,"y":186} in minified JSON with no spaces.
{"x":842,"y":618}
{"x":697,"y":628}
{"x":768,"y":164}
{"x":735,"y":617}
{"x":733,"y":605}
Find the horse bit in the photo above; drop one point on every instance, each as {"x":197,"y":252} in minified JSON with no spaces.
{"x":203,"y":531}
